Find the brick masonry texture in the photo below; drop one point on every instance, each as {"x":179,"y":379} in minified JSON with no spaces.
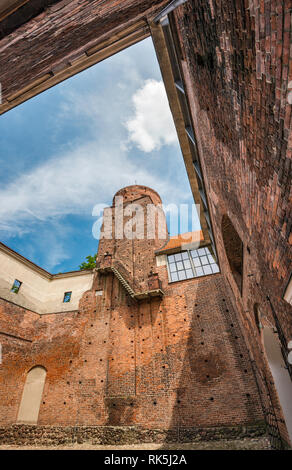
{"x":178,"y":364}
{"x":61,"y":34}
{"x":237,"y":65}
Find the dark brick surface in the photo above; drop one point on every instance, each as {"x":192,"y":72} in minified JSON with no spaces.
{"x":237,"y":65}
{"x":60,"y":33}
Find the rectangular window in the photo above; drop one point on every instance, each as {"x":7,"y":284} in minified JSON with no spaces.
{"x":180,"y":267}
{"x":16,"y":286}
{"x":67,"y":297}
{"x":190,"y":264}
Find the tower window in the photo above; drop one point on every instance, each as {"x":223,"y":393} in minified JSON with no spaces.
{"x":204,"y":262}
{"x":16,"y":286}
{"x":67,"y":297}
{"x":193,"y":263}
{"x":180,"y":266}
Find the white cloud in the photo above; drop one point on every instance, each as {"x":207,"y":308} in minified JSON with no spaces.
{"x":99,"y":160}
{"x":88,"y":173}
{"x":55,"y":241}
{"x":71,"y":183}
{"x":56,"y":255}
{"x":152,"y":125}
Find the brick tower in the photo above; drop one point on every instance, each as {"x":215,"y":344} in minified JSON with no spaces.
{"x":227,"y":71}
{"x":154,"y":352}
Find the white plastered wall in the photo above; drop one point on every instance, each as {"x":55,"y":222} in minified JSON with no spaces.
{"x":40,"y":291}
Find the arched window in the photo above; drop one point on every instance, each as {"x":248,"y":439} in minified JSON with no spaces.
{"x":234,"y":249}
{"x":32,"y":395}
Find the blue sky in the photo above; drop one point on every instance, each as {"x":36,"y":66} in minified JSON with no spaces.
{"x":75,"y":145}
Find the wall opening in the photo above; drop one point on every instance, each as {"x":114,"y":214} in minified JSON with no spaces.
{"x":257,"y":316}
{"x":67,"y":297}
{"x":280,"y":374}
{"x":32,"y":395}
{"x":288,"y":292}
{"x":234,"y":250}
{"x":16,"y":286}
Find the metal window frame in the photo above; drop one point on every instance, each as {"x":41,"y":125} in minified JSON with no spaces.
{"x":165,"y":20}
{"x":192,"y":264}
{"x":13,"y":285}
{"x":65,"y":293}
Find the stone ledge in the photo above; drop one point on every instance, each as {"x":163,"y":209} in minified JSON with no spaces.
{"x":259,"y":443}
{"x":23,"y":434}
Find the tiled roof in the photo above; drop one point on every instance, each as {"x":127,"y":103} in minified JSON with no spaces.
{"x":177,"y":242}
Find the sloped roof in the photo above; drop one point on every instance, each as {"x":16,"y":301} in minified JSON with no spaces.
{"x":180,"y":242}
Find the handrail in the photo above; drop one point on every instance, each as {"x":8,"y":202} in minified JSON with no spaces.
{"x":126,"y":284}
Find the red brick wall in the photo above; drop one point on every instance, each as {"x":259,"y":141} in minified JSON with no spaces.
{"x":175,"y":362}
{"x":138,"y":258}
{"x":61,"y":33}
{"x":157,"y":364}
{"x":237,"y":66}
{"x":28,"y":340}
